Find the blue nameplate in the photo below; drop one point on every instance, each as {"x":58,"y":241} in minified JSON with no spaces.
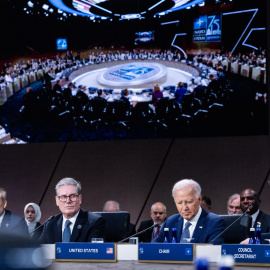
{"x":98,"y":252}
{"x":167,"y":253}
{"x":248,"y":254}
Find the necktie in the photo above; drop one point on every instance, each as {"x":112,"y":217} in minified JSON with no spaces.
{"x":185,"y":234}
{"x":67,"y":232}
{"x":157,"y":232}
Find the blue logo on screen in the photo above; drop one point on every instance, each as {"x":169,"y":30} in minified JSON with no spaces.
{"x":131,"y":72}
{"x":61,"y":44}
{"x":224,"y":251}
{"x":141,"y":250}
{"x":200,"y":23}
{"x":58,"y":250}
{"x":207,"y":28}
{"x":213,"y":32}
{"x":267,"y":253}
{"x":188,"y":251}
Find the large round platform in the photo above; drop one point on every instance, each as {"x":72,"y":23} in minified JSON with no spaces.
{"x":134,"y":75}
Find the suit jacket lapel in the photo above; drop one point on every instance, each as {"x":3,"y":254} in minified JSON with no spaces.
{"x":6,"y":221}
{"x":199,"y":227}
{"x":78,"y":226}
{"x":179,"y":227}
{"x":58,"y":233}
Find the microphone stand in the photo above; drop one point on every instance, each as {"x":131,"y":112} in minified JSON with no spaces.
{"x":50,"y":218}
{"x":248,"y":210}
{"x":138,"y":233}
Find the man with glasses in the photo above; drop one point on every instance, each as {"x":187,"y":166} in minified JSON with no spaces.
{"x":158,"y":215}
{"x":73,"y":224}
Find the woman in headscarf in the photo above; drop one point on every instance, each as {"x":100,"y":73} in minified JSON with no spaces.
{"x":32,"y":216}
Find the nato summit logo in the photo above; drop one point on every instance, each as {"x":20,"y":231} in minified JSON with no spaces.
{"x":207,"y":28}
{"x":131,"y":72}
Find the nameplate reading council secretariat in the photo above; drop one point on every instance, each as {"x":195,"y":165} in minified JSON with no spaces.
{"x":248,"y":254}
{"x":100,"y":252}
{"x":166,"y":253}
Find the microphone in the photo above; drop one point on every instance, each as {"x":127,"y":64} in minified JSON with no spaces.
{"x":49,"y":219}
{"x":138,"y":233}
{"x":246,"y":212}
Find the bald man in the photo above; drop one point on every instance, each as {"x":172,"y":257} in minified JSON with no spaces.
{"x":250,"y":197}
{"x":114,"y":206}
{"x":158,"y":215}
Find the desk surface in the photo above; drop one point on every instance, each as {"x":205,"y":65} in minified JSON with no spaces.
{"x":124,"y":265}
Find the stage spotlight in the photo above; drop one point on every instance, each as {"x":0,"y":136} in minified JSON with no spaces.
{"x":51,"y":10}
{"x":46,"y":7}
{"x":30,"y":4}
{"x":25,"y":9}
{"x":60,"y":11}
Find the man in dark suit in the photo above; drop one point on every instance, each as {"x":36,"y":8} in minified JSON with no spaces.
{"x":158,"y":215}
{"x":250,"y":197}
{"x":193,"y":224}
{"x":9,"y":222}
{"x":73,"y":224}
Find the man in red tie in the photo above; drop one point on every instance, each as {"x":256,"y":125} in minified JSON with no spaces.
{"x":158,"y":215}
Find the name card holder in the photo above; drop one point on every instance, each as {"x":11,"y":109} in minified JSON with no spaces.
{"x":166,"y":253}
{"x":253,"y":255}
{"x":85,"y":252}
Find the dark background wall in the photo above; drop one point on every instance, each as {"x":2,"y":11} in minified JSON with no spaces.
{"x":125,"y":171}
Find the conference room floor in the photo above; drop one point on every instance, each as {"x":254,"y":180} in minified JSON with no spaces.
{"x":134,"y":265}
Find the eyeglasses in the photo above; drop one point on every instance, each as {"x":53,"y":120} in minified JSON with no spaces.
{"x":72,"y":197}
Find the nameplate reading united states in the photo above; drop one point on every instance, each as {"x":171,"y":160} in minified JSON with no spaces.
{"x":96,"y":252}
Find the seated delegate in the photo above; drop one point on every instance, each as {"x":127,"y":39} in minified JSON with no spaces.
{"x":193,"y":224}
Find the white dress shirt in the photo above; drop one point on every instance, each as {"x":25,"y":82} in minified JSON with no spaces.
{"x":193,"y":222}
{"x":71,"y":226}
{"x":1,"y":218}
{"x":254,"y":216}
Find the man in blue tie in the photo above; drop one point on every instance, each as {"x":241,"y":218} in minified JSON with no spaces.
{"x":73,"y":224}
{"x":193,"y":224}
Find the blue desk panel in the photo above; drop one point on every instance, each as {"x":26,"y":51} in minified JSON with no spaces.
{"x":167,"y":253}
{"x":248,"y":254}
{"x":103,"y":252}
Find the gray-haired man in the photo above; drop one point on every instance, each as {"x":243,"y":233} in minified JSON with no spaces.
{"x":73,"y":224}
